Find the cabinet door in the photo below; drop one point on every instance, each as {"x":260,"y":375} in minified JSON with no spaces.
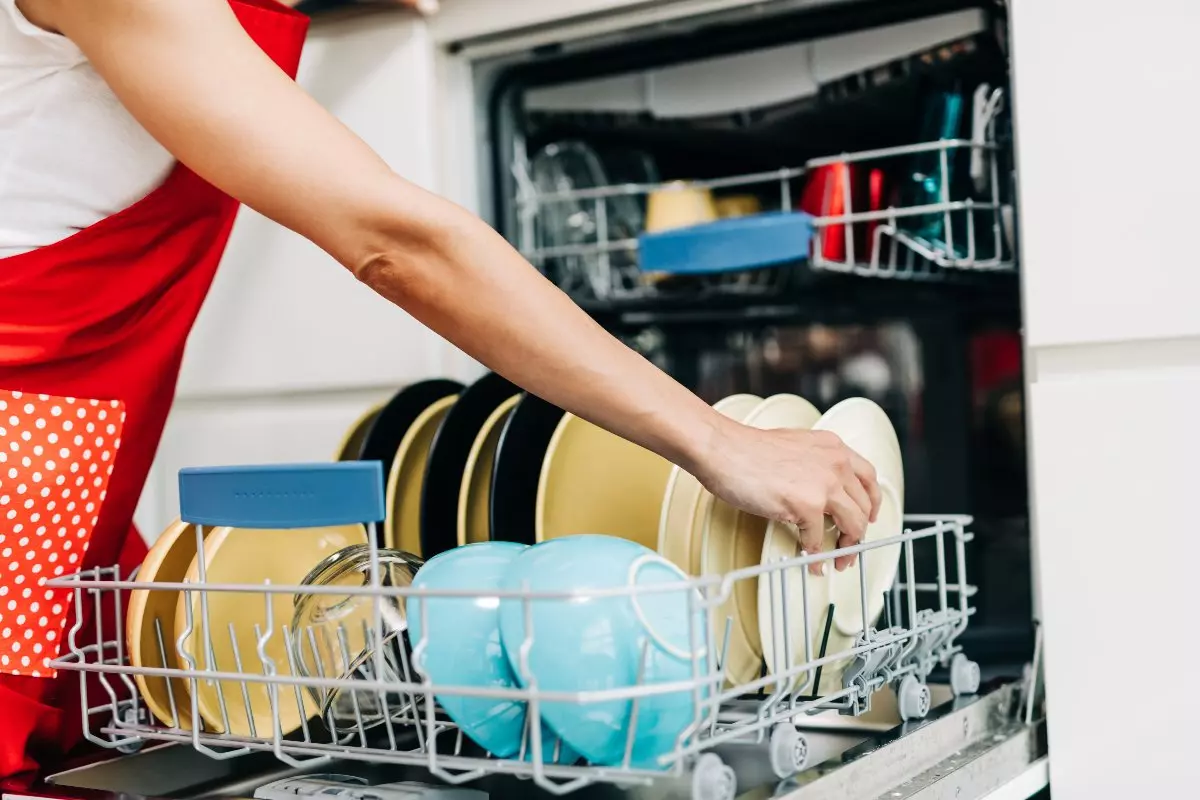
{"x":301,"y":429}
{"x":1108,"y":186}
{"x":282,"y":315}
{"x":1118,"y":546}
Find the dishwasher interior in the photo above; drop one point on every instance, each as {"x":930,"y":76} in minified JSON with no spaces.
{"x":888,"y":125}
{"x":820,"y":108}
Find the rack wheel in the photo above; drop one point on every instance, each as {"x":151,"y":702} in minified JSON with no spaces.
{"x":964,"y":675}
{"x":913,"y":698}
{"x":712,"y":779}
{"x":789,"y":751}
{"x":131,"y":746}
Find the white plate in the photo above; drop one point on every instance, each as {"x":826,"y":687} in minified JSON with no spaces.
{"x":866,"y":429}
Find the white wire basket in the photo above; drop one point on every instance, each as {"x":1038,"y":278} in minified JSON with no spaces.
{"x":393,"y":714}
{"x":950,"y":216}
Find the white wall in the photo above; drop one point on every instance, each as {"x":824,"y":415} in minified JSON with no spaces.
{"x":1113,"y":326}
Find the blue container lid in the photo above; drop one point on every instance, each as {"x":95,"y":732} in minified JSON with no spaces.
{"x":728,"y":245}
{"x":282,"y":495}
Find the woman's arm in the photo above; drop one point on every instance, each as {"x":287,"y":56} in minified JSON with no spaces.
{"x":189,"y":73}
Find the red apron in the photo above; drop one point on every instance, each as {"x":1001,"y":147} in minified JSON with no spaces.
{"x":92,"y":333}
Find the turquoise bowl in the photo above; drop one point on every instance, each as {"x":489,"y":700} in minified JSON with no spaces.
{"x":463,"y":648}
{"x":587,"y":644}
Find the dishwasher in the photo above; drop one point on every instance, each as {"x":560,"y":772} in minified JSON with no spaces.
{"x":885,"y":127}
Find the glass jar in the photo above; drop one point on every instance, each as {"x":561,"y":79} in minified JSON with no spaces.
{"x":333,"y":636}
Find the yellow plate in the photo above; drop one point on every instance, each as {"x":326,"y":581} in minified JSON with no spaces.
{"x":356,"y":434}
{"x":475,"y":491}
{"x":243,"y":556}
{"x":167,"y":562}
{"x":678,"y":504}
{"x":407,"y":475}
{"x":722,"y":551}
{"x":593,"y":481}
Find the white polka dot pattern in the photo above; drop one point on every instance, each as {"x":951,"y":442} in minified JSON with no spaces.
{"x":56,"y":455}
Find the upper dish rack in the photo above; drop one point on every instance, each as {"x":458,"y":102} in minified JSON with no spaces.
{"x":915,"y":637}
{"x":924,"y":211}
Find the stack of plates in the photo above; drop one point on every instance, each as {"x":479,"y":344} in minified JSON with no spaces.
{"x":705,"y":536}
{"x":487,"y":462}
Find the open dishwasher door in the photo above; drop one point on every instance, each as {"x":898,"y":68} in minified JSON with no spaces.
{"x":968,"y":748}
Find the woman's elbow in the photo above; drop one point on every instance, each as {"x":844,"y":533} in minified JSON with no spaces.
{"x":401,"y":252}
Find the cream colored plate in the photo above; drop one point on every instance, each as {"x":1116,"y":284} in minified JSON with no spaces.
{"x":593,"y":481}
{"x":167,"y":562}
{"x":475,"y":491}
{"x":866,"y":429}
{"x":356,"y":434}
{"x":407,"y":476}
{"x":803,"y":590}
{"x":678,"y":505}
{"x":729,"y":543}
{"x":244,"y":556}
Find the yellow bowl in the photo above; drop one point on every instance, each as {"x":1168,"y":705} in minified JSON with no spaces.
{"x":738,"y":205}
{"x":679,"y":205}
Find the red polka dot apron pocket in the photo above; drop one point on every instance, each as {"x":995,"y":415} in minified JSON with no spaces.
{"x":56,"y":456}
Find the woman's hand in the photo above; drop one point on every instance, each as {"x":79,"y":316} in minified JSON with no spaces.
{"x":795,"y":476}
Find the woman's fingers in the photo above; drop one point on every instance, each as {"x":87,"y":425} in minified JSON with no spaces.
{"x":858,"y":492}
{"x":841,"y":562}
{"x":851,"y":520}
{"x":867,"y":479}
{"x":812,"y":535}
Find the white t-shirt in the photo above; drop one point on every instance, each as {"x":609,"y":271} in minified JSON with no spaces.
{"x":70,"y":154}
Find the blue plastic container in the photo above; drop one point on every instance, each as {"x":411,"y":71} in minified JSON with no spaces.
{"x":728,"y":245}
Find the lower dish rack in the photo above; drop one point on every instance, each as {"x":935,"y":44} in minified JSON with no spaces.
{"x":922,"y":618}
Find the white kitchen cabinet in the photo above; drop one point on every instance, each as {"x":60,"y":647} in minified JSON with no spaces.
{"x":284,"y":316}
{"x":1115,"y":482}
{"x":1104,"y":129}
